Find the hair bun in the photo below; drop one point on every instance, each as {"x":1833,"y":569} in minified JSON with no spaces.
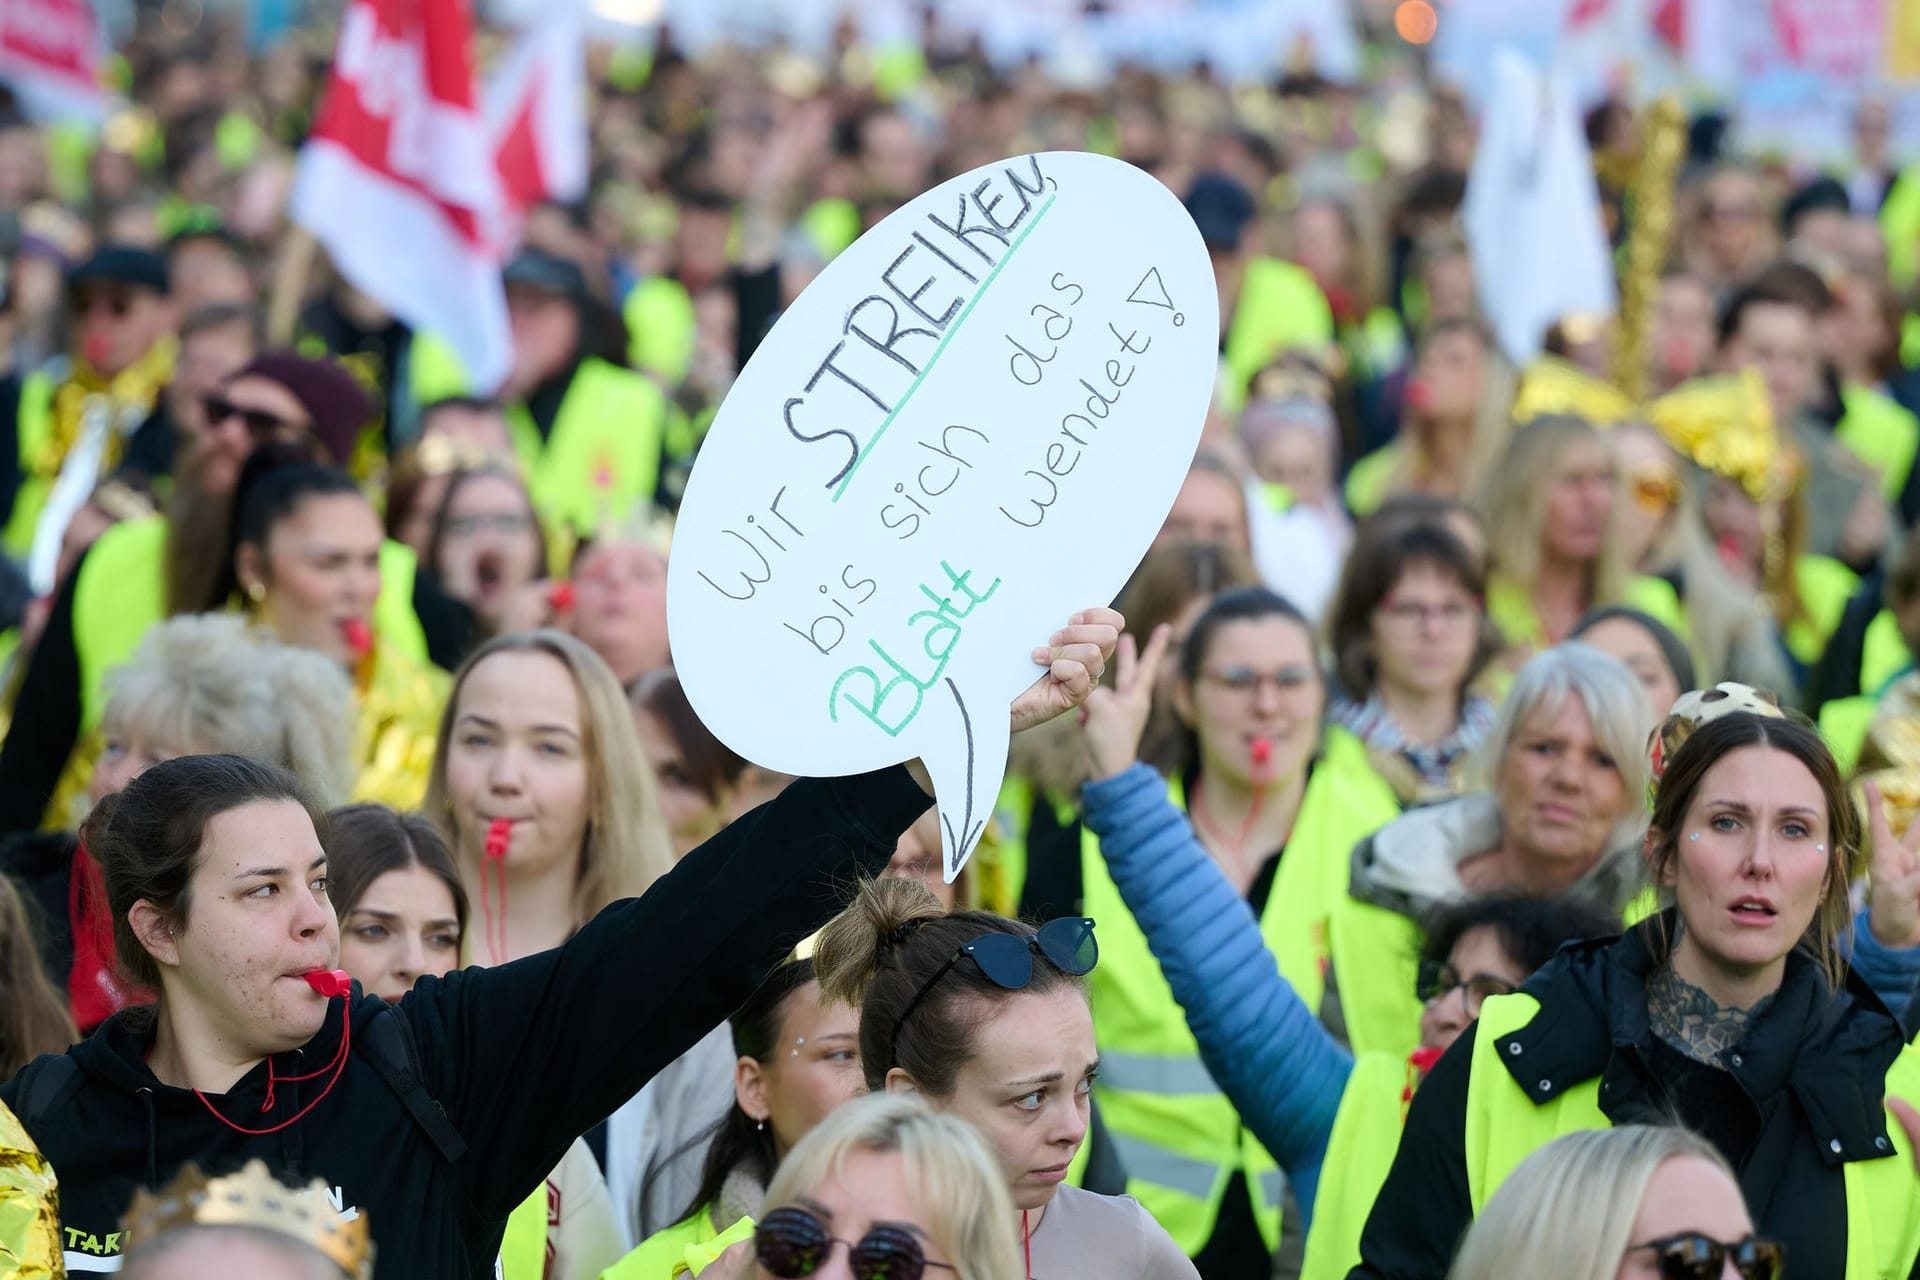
{"x":883,"y":915}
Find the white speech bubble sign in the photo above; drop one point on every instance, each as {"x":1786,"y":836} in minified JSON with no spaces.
{"x":968,"y":427}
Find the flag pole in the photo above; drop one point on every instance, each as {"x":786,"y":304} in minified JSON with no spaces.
{"x":290,"y":277}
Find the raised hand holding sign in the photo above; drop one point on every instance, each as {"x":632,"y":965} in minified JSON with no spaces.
{"x":972,"y":423}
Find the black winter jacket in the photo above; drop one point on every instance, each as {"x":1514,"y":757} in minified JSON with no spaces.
{"x":523,"y":1058}
{"x":1800,"y":1096}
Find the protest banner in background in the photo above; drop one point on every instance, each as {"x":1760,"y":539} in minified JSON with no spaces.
{"x":50,"y":58}
{"x":969,"y":427}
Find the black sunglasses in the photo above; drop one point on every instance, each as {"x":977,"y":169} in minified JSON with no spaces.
{"x":258,"y":422}
{"x":1007,"y":961}
{"x":1692,"y":1256}
{"x":1437,"y":978}
{"x":791,"y":1242}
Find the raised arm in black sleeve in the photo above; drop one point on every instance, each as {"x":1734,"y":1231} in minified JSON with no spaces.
{"x":527,"y":1056}
{"x":46,"y":718}
{"x":1424,"y":1207}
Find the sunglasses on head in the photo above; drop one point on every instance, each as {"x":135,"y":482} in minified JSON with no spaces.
{"x":1007,"y":961}
{"x":1692,"y":1256}
{"x":258,"y":422}
{"x":1438,"y":979}
{"x":790,"y":1242}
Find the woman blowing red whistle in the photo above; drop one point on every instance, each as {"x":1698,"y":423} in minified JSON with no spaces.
{"x":442,"y":1113}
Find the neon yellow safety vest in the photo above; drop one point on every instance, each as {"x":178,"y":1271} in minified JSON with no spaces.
{"x":1376,"y":966}
{"x":1367,"y":481}
{"x":1825,"y":586}
{"x":1280,"y":308}
{"x":686,"y":1248}
{"x":1504,"y":1126}
{"x":35,"y":433}
{"x":601,"y":461}
{"x":1875,"y":429}
{"x":660,"y":328}
{"x":1513,"y":612}
{"x":1177,"y":1136}
{"x":1366,"y":1134}
{"x":523,"y":1249}
{"x":1883,"y":653}
{"x":1844,"y":723}
{"x":1004,"y":879}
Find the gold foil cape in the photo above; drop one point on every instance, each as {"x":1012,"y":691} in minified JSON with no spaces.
{"x":29,"y":1206}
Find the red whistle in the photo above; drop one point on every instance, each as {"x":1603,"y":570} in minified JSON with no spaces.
{"x":94,"y":348}
{"x":499,"y":835}
{"x":1418,"y":394}
{"x":1262,"y":749}
{"x":358,"y":635}
{"x":330,"y":982}
{"x":560,"y":597}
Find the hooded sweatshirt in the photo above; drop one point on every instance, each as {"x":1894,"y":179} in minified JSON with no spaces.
{"x":1412,"y":865}
{"x":522,"y":1058}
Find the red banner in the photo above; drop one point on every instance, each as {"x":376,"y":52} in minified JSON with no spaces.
{"x":50,"y":55}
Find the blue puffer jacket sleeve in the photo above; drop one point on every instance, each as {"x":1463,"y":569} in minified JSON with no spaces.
{"x":1270,"y":1056}
{"x":1892,"y":972}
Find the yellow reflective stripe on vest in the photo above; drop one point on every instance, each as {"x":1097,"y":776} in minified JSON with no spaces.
{"x":1177,"y":1135}
{"x":1366,"y":1134}
{"x":1504,"y":1127}
{"x":34,"y":426}
{"x":523,"y":1249}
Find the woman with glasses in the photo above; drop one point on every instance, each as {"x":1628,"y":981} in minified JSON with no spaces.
{"x":1641,"y":1202}
{"x":1410,"y":636}
{"x":987,"y":1019}
{"x":1551,"y":510}
{"x":1279,"y":807}
{"x":306,"y":557}
{"x":884,"y":1189}
{"x":1732,"y":1011}
{"x":1660,"y":534}
{"x":486,"y":545}
{"x":1330,"y":1120}
{"x":1557,"y":806}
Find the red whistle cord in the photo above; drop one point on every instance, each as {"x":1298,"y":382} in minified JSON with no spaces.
{"x":493,"y":862}
{"x":337,"y":1065}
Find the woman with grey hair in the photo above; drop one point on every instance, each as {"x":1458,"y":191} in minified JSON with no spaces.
{"x":1558,"y":807}
{"x":199,"y":684}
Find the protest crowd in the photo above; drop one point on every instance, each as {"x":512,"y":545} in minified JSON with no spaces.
{"x":1481,"y":839}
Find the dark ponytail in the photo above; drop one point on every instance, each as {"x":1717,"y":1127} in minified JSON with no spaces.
{"x":737,"y":1141}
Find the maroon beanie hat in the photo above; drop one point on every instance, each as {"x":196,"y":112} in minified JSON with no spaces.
{"x":336,"y":402}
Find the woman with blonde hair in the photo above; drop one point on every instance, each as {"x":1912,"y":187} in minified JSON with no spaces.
{"x":198,"y":684}
{"x":1454,"y":425}
{"x":1637,"y":1201}
{"x":1550,"y":513}
{"x":905,"y":1192}
{"x":33,"y":1017}
{"x":543,"y":791}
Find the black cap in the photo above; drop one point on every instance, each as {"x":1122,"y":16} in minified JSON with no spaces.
{"x":1822,"y":195}
{"x":121,"y":264}
{"x":1221,"y":208}
{"x":533,"y":269}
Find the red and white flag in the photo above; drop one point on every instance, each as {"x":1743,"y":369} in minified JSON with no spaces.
{"x":398,"y":179}
{"x":50,"y":58}
{"x":536,"y":109}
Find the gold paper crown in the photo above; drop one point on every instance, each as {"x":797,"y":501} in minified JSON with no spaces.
{"x":1725,"y":424}
{"x":1551,"y":385}
{"x":254,"y":1198}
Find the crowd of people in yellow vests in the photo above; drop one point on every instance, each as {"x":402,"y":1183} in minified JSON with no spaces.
{"x":1480,"y":840}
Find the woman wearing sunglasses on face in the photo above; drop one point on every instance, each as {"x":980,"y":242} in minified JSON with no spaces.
{"x":217,"y":877}
{"x":1331,"y":1121}
{"x":987,"y":1019}
{"x":1732,"y":1011}
{"x":883,"y":1189}
{"x":1641,"y":1202}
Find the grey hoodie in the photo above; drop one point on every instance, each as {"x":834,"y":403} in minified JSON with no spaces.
{"x":1412,"y":865}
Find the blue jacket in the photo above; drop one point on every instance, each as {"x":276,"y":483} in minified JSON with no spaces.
{"x":1283,"y":1071}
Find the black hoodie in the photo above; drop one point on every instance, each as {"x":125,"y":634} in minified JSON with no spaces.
{"x":1799,"y":1097}
{"x":523,"y":1058}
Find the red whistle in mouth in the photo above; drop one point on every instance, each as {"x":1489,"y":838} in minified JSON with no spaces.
{"x":358,"y":635}
{"x":330,"y":982}
{"x":499,"y":834}
{"x":560,"y":597}
{"x":1262,"y":749}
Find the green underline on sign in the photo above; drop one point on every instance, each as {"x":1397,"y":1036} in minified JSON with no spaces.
{"x":959,"y":320}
